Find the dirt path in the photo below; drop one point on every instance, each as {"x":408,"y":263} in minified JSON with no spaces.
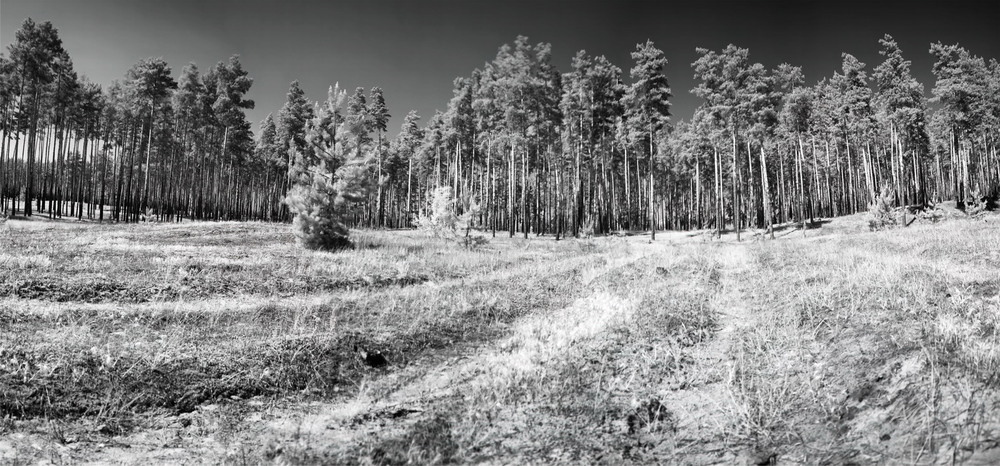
{"x":387,"y":402}
{"x":702,"y":405}
{"x":703,"y":400}
{"x":396,"y":400}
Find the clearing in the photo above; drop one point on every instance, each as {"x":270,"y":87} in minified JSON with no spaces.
{"x":224,"y":343}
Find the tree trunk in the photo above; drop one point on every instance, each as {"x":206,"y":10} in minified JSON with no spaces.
{"x":802,"y":192}
{"x":524,"y":192}
{"x":719,"y":218}
{"x":149,"y":150}
{"x":30,"y":166}
{"x":766,"y":193}
{"x":736,"y":193}
{"x":697,"y":192}
{"x":380,"y":222}
{"x":511,"y":173}
{"x":652,"y":209}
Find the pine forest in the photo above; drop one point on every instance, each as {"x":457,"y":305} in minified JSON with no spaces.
{"x":542,"y":152}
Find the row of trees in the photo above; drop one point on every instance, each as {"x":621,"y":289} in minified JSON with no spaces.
{"x":145,"y":145}
{"x":553,"y":153}
{"x":538,"y":150}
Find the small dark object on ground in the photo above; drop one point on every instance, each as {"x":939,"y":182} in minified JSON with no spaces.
{"x":403,"y":412}
{"x":371,"y":358}
{"x":652,"y":414}
{"x":761,"y":458}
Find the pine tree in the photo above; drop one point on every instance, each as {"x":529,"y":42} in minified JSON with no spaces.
{"x":649,"y":109}
{"x":291,"y":131}
{"x":151,"y":81}
{"x":728,"y":84}
{"x":577,"y":107}
{"x":327,"y":191}
{"x":34,"y":53}
{"x":404,"y":151}
{"x":853,"y":100}
{"x":358,"y":120}
{"x":268,"y":152}
{"x":379,"y":115}
{"x":900,"y":106}
{"x":959,"y":88}
{"x":193,"y":115}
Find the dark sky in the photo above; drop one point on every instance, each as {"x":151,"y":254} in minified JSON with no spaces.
{"x":414,"y":49}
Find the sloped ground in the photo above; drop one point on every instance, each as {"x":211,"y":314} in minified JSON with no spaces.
{"x":839,"y":346}
{"x":882,"y":348}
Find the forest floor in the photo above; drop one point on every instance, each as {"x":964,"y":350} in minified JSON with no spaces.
{"x":224,"y":343}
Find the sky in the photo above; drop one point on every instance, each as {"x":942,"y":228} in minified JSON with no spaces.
{"x":414,"y":49}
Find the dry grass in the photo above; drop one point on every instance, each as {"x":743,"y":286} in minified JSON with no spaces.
{"x":111,"y":327}
{"x":872,"y":348}
{"x":224,"y":342}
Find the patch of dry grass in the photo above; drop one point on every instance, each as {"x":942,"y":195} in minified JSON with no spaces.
{"x":113,"y":324}
{"x":842,"y":348}
{"x":579,"y":384}
{"x":871,"y":348}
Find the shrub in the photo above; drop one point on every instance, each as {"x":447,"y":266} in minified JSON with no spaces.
{"x":881,"y":213}
{"x":976,"y":205}
{"x":321,"y":201}
{"x":328,"y":184}
{"x":472,"y":242}
{"x":442,"y":221}
{"x":587,"y":228}
{"x":933,"y":213}
{"x":318,"y":224}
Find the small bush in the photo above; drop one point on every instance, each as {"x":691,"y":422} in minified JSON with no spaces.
{"x":321,"y":202}
{"x":881,"y":213}
{"x":976,"y":205}
{"x":318,"y":223}
{"x":473,"y":242}
{"x":442,"y":220}
{"x":933,"y":213}
{"x":587,"y":229}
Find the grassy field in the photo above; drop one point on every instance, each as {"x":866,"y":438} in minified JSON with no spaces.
{"x":223,"y":342}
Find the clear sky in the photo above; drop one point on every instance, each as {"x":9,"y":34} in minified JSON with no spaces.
{"x":414,"y":49}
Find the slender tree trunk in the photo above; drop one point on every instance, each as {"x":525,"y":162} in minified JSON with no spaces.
{"x":80,"y":185}
{"x":755,"y":212}
{"x":736,"y":193}
{"x":766,"y":193}
{"x":511,"y":173}
{"x":866,"y":158}
{"x":831,"y":207}
{"x":802,"y":192}
{"x":380,"y":222}
{"x":524,"y":191}
{"x":628,"y":191}
{"x":409,"y":187}
{"x":32,"y":143}
{"x":719,"y":219}
{"x":815,"y":198}
{"x":697,"y":192}
{"x":558,"y":207}
{"x":652,"y":209}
